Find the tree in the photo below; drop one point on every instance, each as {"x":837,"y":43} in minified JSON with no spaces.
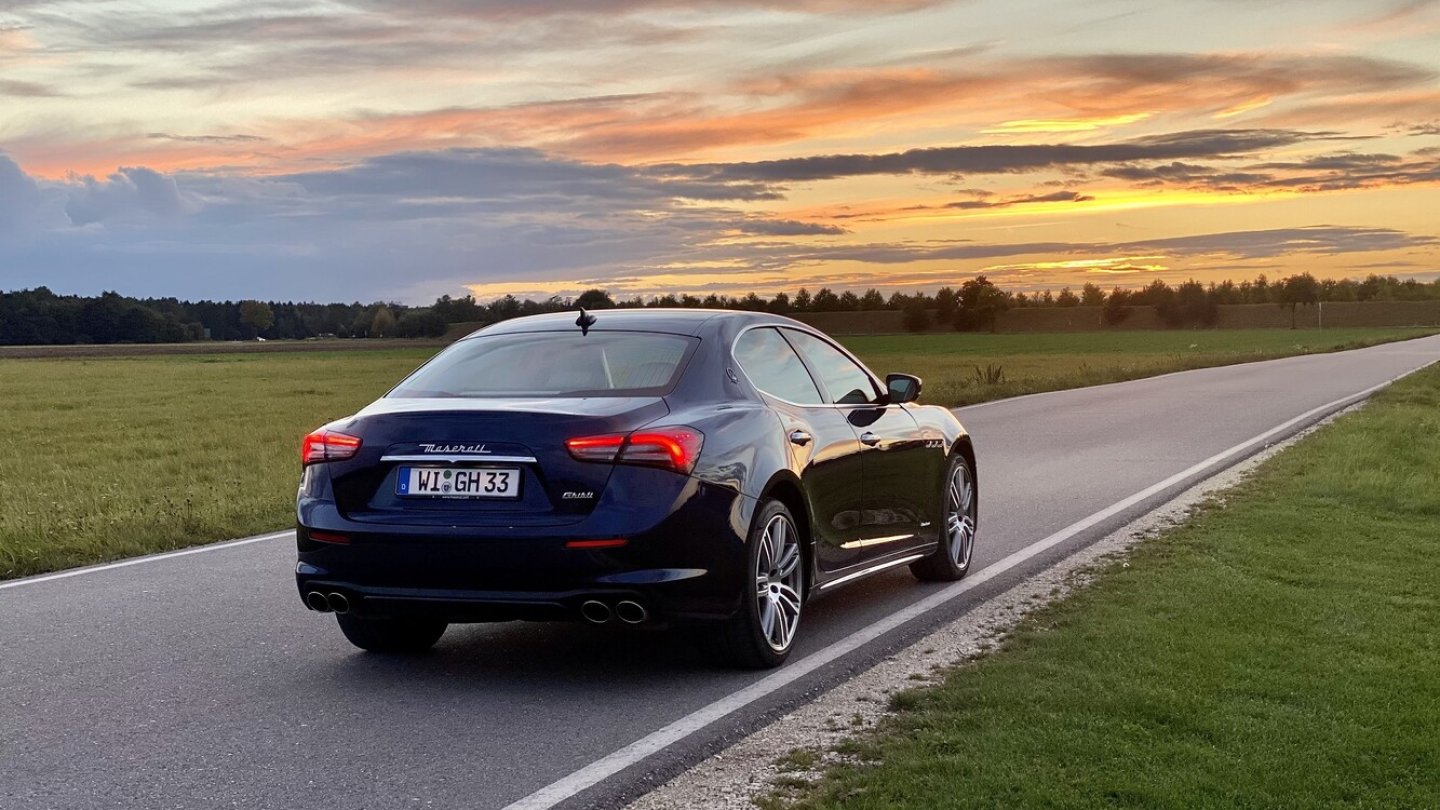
{"x":872,"y":300}
{"x":848,"y":302}
{"x":1197,"y":308}
{"x":1117,"y":307}
{"x":946,"y":302}
{"x":981,"y":303}
{"x":780,"y":304}
{"x":1091,"y":295}
{"x":802,"y":302}
{"x":595,"y":299}
{"x":383,"y":323}
{"x":419,"y":323}
{"x":463,"y":310}
{"x":1066,"y":298}
{"x":916,"y":316}
{"x":825,"y":301}
{"x":257,"y":315}
{"x":1296,"y":290}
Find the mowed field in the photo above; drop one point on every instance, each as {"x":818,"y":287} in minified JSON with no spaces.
{"x":104,"y":458}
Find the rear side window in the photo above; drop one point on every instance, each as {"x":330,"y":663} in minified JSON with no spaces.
{"x":847,"y":382}
{"x":774,"y":368}
{"x":553,"y":364}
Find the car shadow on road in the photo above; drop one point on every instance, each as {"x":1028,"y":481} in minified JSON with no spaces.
{"x":534,"y":654}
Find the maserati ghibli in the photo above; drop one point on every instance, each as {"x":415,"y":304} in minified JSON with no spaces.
{"x":700,"y":468}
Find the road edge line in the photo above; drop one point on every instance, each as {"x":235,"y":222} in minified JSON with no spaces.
{"x":164,"y":555}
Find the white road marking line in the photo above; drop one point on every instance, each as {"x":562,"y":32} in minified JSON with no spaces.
{"x":611,"y":764}
{"x":75,"y":572}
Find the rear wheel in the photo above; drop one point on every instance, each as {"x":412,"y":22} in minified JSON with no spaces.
{"x":951,"y":560}
{"x":391,"y":635}
{"x":761,"y":633}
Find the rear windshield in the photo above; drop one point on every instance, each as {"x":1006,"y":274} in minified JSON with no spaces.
{"x":552,"y":364}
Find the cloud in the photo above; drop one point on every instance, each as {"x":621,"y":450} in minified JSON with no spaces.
{"x":1026,"y":199}
{"x":507,"y":10}
{"x":1317,"y":173}
{"x":787,"y":227}
{"x":21,"y":200}
{"x":516,"y":173}
{"x":128,"y":194}
{"x":205,"y":139}
{"x":997,"y":159}
{"x":11,"y":87}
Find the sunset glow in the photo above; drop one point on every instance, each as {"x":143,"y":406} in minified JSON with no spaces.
{"x":358,"y":149}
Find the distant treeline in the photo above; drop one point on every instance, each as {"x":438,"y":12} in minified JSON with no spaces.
{"x":39,"y":316}
{"x":976,"y":303}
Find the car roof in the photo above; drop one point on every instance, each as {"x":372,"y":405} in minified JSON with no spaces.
{"x":677,"y":321}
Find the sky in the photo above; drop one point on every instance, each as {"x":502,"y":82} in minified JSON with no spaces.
{"x":369,"y":150}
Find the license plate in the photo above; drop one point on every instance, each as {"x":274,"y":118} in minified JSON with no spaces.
{"x":457,"y":482}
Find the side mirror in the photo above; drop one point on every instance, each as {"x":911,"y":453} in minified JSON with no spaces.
{"x":902,"y":388}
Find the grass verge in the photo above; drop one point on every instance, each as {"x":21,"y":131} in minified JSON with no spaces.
{"x":103,"y":458}
{"x":1278,"y":650}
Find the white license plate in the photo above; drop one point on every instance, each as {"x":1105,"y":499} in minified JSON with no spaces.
{"x":458,"y":482}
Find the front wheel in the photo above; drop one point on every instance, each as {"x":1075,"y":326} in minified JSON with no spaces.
{"x":391,"y":635}
{"x":951,"y":560}
{"x":761,"y":633}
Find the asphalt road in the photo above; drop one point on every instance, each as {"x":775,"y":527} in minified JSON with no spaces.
{"x":199,"y":681}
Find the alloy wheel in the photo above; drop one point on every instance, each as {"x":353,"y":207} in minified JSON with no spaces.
{"x":777,"y":583}
{"x":960,"y":515}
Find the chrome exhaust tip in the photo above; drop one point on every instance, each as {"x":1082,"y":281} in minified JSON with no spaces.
{"x":631,"y":612}
{"x":316,"y":601}
{"x":595,"y":611}
{"x":338,"y":603}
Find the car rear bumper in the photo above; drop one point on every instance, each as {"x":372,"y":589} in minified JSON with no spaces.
{"x":687,"y":564}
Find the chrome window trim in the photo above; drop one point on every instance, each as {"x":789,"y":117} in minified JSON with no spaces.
{"x":853,"y":358}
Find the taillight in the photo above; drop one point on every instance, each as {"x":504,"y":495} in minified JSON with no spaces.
{"x":673,"y":448}
{"x":328,"y":445}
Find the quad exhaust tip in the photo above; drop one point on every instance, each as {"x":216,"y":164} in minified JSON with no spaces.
{"x":631,"y":612}
{"x":338,"y":602}
{"x":317,"y":602}
{"x":595,"y":611}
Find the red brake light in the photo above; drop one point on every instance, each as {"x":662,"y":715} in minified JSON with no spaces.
{"x":595,"y":448}
{"x":673,"y":448}
{"x":615,"y":542}
{"x":328,"y":445}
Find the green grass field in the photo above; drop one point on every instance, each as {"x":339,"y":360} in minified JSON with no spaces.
{"x":1279,"y":650}
{"x":110,"y":457}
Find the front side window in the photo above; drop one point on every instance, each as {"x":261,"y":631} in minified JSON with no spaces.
{"x":772,"y":365}
{"x":847,"y":382}
{"x":552,"y":364}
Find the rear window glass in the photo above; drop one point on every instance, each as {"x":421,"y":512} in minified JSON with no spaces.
{"x":552,"y":364}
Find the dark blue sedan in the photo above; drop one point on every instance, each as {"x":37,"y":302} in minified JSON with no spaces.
{"x":698,"y":467}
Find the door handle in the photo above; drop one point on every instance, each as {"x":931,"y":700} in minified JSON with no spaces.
{"x":799,"y":437}
{"x":869,"y":439}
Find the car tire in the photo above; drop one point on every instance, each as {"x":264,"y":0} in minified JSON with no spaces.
{"x":762,"y":632}
{"x":959,"y":525}
{"x":391,"y":635}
